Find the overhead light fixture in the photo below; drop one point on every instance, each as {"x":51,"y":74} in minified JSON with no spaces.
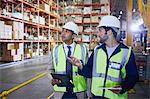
{"x":134,"y":10}
{"x":121,"y":12}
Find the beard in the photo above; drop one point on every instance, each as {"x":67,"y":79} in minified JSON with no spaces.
{"x":105,"y":37}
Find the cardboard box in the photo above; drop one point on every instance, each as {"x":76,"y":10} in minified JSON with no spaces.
{"x":11,"y":58}
{"x":35,"y":19}
{"x":45,"y":7}
{"x":86,"y":20}
{"x":104,"y":1}
{"x":52,"y":22}
{"x":15,"y":30}
{"x":86,"y":37}
{"x":17,"y":15}
{"x":2,"y":29}
{"x":9,"y":52}
{"x":20,"y":30}
{"x":81,"y":28}
{"x":15,"y":58}
{"x":87,"y":10}
{"x":78,"y":10}
{"x":25,"y":16}
{"x":87,"y":1}
{"x":94,"y":19}
{"x":42,"y":20}
{"x":78,"y":19}
{"x":9,"y":23}
{"x":95,"y":11}
{"x":20,"y":51}
{"x":10,"y":46}
{"x":27,"y":50}
{"x":105,"y":9}
{"x":8,"y":32}
{"x":28,"y":56}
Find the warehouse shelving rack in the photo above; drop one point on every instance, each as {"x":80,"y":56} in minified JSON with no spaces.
{"x":88,"y":24}
{"x":21,"y":5}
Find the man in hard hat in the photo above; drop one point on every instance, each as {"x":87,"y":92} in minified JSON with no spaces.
{"x":76,"y":87}
{"x":112,"y":65}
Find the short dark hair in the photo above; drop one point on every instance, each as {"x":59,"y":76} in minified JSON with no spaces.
{"x":110,"y":28}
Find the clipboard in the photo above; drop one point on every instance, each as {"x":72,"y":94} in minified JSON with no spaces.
{"x":63,"y":77}
{"x":110,"y":88}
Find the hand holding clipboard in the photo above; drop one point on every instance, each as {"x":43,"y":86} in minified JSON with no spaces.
{"x":60,"y":80}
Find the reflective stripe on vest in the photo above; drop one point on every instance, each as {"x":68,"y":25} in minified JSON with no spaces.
{"x":59,"y":59}
{"x":114,"y":76}
{"x":124,"y":60}
{"x":83,"y":49}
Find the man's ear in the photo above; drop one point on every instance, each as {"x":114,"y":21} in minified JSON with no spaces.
{"x":109,"y":32}
{"x":74,"y":36}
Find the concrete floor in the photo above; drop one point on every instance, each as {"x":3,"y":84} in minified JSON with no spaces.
{"x":13,"y":76}
{"x":10,"y":76}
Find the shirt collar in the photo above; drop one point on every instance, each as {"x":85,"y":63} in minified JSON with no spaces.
{"x":72,"y":45}
{"x":118,"y":49}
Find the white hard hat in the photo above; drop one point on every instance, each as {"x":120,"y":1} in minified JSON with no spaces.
{"x":71,"y":26}
{"x":109,"y":21}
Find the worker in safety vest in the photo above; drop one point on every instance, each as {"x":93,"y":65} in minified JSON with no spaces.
{"x":77,"y":85}
{"x":112,"y":65}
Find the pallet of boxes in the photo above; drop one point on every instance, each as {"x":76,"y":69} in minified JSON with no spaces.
{"x":11,"y":51}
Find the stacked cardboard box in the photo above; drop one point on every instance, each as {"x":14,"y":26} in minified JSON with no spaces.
{"x":78,"y":19}
{"x":25,"y":16}
{"x":17,"y":15}
{"x":35,"y":19}
{"x":18,"y":30}
{"x":78,"y":10}
{"x":87,"y":10}
{"x":42,"y":20}
{"x":87,"y":1}
{"x":12,"y":51}
{"x":94,"y":19}
{"x":86,"y":37}
{"x":38,"y":19}
{"x":81,"y":28}
{"x":5,"y":30}
{"x":86,"y":20}
{"x":53,"y":22}
{"x":28,"y":53}
{"x":45,"y":7}
{"x":105,"y":9}
{"x":104,"y":1}
{"x":8,"y":32}
{"x":2,"y":29}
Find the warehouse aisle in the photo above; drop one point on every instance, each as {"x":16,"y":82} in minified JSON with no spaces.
{"x":12,"y":76}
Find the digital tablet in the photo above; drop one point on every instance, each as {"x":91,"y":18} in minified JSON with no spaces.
{"x":63,"y":77}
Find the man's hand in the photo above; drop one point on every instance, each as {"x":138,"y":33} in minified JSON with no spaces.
{"x":75,"y":61}
{"x":55,"y":81}
{"x":117,"y":90}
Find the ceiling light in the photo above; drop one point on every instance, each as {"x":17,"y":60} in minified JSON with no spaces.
{"x":121,"y":12}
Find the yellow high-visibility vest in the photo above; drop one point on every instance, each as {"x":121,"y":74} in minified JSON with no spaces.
{"x":116,"y":72}
{"x":59,"y":62}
